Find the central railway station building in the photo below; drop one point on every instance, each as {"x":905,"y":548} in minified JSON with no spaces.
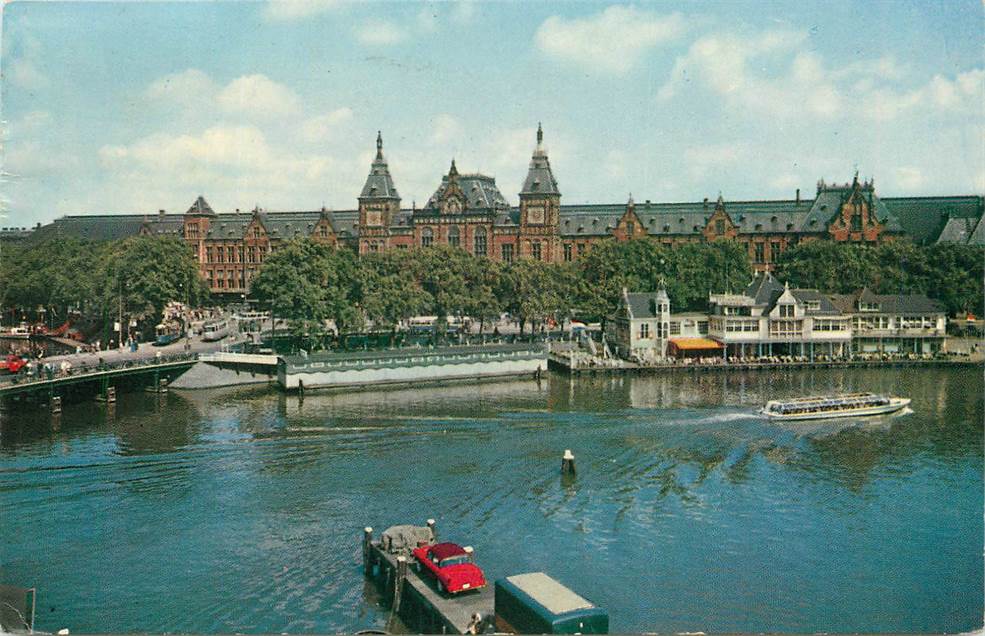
{"x":468,"y":210}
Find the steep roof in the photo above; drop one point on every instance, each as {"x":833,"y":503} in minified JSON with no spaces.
{"x":96,"y":227}
{"x":825,"y":306}
{"x":888,"y":303}
{"x":540,"y":178}
{"x":764,"y":289}
{"x":480,"y":192}
{"x":379,"y":183}
{"x":924,"y":218}
{"x":201,"y":207}
{"x":958,"y":230}
{"x":644,"y":305}
{"x":978,"y":235}
{"x":830,"y":198}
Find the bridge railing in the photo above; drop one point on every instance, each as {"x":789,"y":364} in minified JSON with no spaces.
{"x":49,"y":371}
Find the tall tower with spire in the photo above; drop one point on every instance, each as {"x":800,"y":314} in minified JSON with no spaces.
{"x":379,"y":202}
{"x":540,"y":207}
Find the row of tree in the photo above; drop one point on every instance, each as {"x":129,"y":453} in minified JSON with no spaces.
{"x":135,"y":277}
{"x":309,"y":284}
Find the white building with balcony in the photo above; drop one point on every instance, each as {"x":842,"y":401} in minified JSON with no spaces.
{"x":894,"y":324}
{"x":770,"y":319}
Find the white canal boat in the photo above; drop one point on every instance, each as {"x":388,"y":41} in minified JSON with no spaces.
{"x":829,"y":406}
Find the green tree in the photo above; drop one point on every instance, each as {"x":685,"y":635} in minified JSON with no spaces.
{"x":388,"y":290}
{"x":138,"y":276}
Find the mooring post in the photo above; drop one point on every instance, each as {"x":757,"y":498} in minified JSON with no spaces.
{"x":398,"y":583}
{"x":568,"y":463}
{"x":300,"y":389}
{"x":368,"y":550}
{"x":111,"y":394}
{"x":56,"y":405}
{"x":434,"y":533}
{"x":470,"y":552}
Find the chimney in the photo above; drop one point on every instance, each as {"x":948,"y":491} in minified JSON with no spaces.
{"x":160,"y":213}
{"x":798,"y":196}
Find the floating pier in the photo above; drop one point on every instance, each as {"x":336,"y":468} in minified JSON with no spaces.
{"x":416,"y":599}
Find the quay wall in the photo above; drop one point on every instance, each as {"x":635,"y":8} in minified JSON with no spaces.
{"x":207,"y":375}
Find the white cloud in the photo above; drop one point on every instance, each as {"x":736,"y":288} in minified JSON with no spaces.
{"x":324,"y":127}
{"x":258,"y":95}
{"x":463,"y":11}
{"x":611,"y":41}
{"x":189,"y":88}
{"x":380,"y":33}
{"x":707,"y":158}
{"x":751,"y":74}
{"x":285,"y":10}
{"x":910,"y":178}
{"x":447,"y":130}
{"x":24,"y":74}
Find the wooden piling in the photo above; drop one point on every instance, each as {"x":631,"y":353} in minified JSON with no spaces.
{"x":398,"y":583}
{"x":568,"y":463}
{"x":111,"y":394}
{"x":56,"y":405}
{"x":434,"y":532}
{"x":367,"y":550}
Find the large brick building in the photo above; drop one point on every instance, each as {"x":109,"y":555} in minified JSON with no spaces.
{"x":469,"y":211}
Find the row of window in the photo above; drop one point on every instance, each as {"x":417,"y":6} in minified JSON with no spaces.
{"x":896,"y":322}
{"x":236,"y":254}
{"x":759,"y":252}
{"x":662,"y":329}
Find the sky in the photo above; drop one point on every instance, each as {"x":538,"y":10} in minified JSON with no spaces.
{"x":133,"y":107}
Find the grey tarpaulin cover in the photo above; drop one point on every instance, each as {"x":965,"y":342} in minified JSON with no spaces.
{"x":403,"y":539}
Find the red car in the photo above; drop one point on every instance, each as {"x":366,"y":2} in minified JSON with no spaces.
{"x":12,"y":364}
{"x":452,"y":566}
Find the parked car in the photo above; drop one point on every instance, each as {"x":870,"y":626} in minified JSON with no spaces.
{"x":452,"y":567}
{"x":12,"y":364}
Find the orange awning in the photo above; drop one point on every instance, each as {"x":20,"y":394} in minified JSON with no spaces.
{"x":693,"y":344}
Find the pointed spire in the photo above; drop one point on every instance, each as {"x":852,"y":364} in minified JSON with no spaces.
{"x":540,"y":179}
{"x":379,"y":183}
{"x":453,"y":171}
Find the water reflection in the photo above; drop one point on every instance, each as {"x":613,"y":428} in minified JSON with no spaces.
{"x":680,"y":486}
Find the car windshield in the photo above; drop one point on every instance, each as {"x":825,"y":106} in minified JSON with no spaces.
{"x":454,"y":560}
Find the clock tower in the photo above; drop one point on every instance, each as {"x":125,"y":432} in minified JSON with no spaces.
{"x":378,"y":204}
{"x":540,"y":206}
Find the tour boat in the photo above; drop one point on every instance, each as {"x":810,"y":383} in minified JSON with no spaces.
{"x":828,"y":406}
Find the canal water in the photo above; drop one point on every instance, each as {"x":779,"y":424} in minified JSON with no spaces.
{"x":242,"y":510}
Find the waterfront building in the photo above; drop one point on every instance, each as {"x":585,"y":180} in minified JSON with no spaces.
{"x":894,"y":323}
{"x":640,"y":327}
{"x":769,"y":319}
{"x":468,"y":210}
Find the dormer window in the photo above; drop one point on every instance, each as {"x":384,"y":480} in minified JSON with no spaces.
{"x":813,"y":305}
{"x":786,"y":311}
{"x":864,"y":306}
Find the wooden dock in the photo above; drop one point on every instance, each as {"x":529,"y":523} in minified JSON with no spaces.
{"x":416,"y":599}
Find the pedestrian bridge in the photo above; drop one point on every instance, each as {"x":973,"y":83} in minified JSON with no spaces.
{"x":52,"y":380}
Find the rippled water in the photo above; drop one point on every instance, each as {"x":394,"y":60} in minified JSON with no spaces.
{"x":241,"y":510}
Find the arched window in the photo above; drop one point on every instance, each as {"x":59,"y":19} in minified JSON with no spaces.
{"x":480,"y":241}
{"x":454,"y":238}
{"x":427,"y":237}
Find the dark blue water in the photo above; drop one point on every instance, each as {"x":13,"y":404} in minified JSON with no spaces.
{"x":242,"y":510}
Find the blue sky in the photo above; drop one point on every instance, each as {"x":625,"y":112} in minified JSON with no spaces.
{"x":135,"y":107}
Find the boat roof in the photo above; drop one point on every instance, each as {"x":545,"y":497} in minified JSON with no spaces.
{"x":819,"y":398}
{"x":555,"y":597}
